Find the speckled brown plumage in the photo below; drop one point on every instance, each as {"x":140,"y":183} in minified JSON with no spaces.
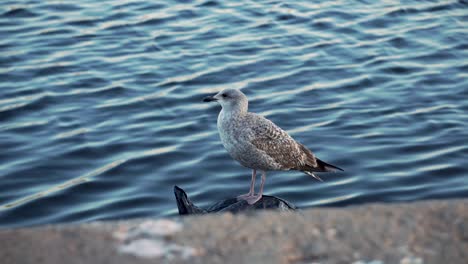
{"x":257,"y":143}
{"x":277,"y":144}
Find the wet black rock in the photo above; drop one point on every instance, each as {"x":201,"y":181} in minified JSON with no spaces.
{"x":232,"y":205}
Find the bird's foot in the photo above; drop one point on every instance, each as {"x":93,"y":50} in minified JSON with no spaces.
{"x":244,"y":196}
{"x":252,"y":199}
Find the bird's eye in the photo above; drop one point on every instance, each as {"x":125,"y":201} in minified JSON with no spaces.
{"x":224,"y":95}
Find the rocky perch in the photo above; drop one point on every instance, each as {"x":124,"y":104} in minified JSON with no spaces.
{"x":420,"y":232}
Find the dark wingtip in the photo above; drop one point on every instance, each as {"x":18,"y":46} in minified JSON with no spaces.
{"x":337,"y":168}
{"x":328,"y":167}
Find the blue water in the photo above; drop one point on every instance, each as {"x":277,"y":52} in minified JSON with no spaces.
{"x":101,"y":112}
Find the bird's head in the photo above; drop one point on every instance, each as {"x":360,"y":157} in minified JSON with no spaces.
{"x":229,"y":99}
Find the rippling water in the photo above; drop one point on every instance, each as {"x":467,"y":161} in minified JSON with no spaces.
{"x":101,"y":112}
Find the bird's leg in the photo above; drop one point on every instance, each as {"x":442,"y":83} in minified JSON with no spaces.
{"x":254,"y":198}
{"x":252,"y":187}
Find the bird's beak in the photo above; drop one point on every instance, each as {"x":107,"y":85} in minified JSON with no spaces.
{"x":209,"y":99}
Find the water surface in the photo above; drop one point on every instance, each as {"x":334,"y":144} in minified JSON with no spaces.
{"x":101,"y":112}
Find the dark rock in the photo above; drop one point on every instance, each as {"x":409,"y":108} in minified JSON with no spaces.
{"x":232,"y":205}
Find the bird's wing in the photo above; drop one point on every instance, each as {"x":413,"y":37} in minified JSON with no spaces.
{"x":281,"y":147}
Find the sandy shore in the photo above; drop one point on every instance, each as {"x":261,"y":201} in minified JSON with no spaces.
{"x":420,"y":232}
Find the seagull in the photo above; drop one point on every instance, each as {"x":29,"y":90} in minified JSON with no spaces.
{"x":257,"y":143}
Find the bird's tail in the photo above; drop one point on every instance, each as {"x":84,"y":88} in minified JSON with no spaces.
{"x":313,"y":175}
{"x":322,"y":166}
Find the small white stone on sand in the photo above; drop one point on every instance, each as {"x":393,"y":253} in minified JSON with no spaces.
{"x":152,"y":248}
{"x":147,"y":240}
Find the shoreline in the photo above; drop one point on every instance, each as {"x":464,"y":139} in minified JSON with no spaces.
{"x":433,"y":231}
